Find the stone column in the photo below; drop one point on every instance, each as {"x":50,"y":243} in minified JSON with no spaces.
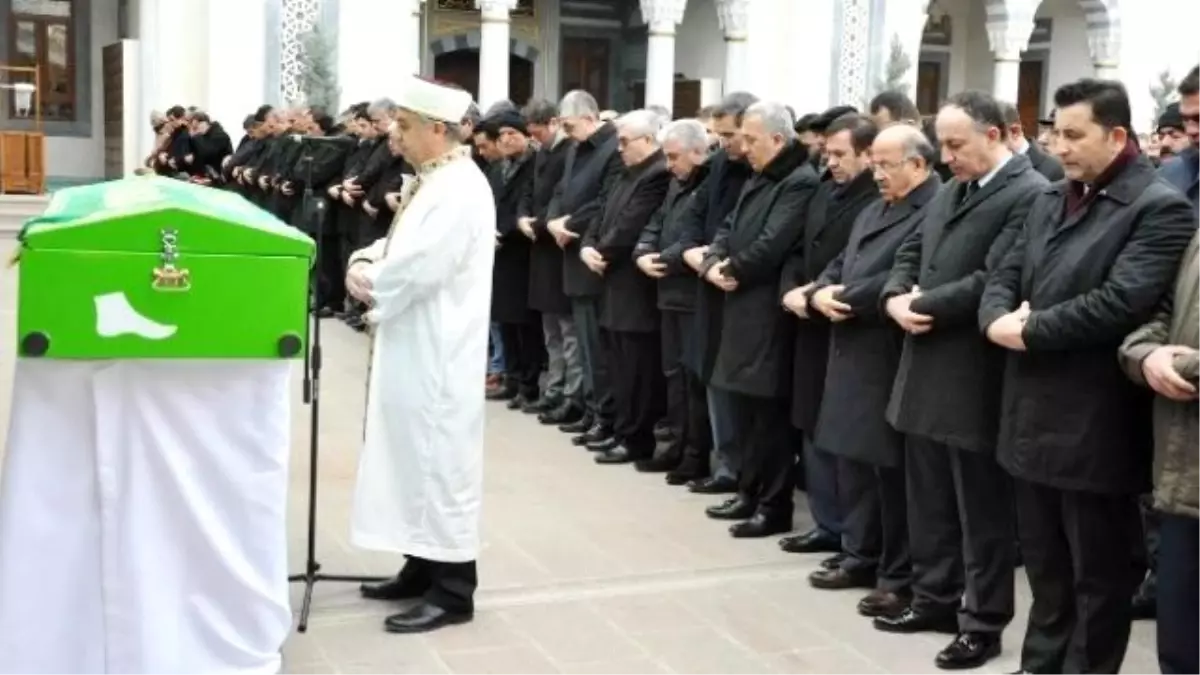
{"x":661,"y":17}
{"x":734,"y":17}
{"x":236,"y":77}
{"x":365,"y":25}
{"x":1009,"y":37}
{"x":1104,"y":42}
{"x":493,"y":50}
{"x":173,"y":66}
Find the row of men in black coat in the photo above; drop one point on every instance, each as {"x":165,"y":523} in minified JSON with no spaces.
{"x":948,"y":355}
{"x":189,"y":145}
{"x":339,"y":183}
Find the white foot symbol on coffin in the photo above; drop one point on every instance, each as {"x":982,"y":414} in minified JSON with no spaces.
{"x":116,"y":317}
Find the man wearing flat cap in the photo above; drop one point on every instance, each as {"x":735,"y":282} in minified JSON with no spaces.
{"x":520,"y":327}
{"x":428,"y":285}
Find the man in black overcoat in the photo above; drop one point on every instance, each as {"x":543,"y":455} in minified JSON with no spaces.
{"x":659,"y":255}
{"x":946,"y":397}
{"x":850,"y":187}
{"x":593,"y":167}
{"x":715,"y":199}
{"x":863,"y":354}
{"x":1096,"y":255}
{"x":1042,"y":162}
{"x":564,"y":368}
{"x":629,"y":319}
{"x":520,"y":327}
{"x":754,"y":359}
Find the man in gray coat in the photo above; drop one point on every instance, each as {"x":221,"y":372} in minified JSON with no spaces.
{"x":946,"y":396}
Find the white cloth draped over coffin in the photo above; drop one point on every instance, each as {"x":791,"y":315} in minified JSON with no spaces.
{"x":143,"y":517}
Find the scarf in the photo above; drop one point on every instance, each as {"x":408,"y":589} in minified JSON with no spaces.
{"x":1080,"y":195}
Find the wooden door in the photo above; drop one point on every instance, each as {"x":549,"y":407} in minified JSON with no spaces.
{"x":929,"y":87}
{"x":462,"y":68}
{"x":585,"y":66}
{"x":1029,"y":95}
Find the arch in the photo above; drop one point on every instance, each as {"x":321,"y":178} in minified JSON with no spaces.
{"x":470,"y":40}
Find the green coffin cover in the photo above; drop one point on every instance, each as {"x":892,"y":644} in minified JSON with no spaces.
{"x":151,"y":267}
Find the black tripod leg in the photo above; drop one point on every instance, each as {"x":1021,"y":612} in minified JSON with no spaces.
{"x":302,"y":625}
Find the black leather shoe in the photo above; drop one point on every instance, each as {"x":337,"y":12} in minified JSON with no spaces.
{"x":578,"y":427}
{"x":969,"y":650}
{"x":658,"y":464}
{"x":839,"y":579}
{"x":737,"y":508}
{"x":325,"y":313}
{"x":564,"y":414}
{"x":813,"y":541}
{"x":713,"y":486}
{"x":517,"y":402}
{"x":912,"y":621}
{"x":541,"y":405}
{"x":391,"y":589}
{"x":882,"y":603}
{"x":693,"y":467}
{"x":597,"y":432}
{"x":423,"y":618}
{"x":618,"y":454}
{"x":501,"y":394}
{"x":663,"y":433}
{"x":760,"y":525}
{"x":833,"y":562}
{"x":603,"y":444}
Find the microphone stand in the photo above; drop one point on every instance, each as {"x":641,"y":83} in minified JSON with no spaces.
{"x":312,"y":397}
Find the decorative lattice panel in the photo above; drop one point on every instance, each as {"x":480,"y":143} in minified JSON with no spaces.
{"x":298,"y":18}
{"x":854,"y":51}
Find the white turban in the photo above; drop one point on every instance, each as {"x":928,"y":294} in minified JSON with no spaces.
{"x":434,"y":101}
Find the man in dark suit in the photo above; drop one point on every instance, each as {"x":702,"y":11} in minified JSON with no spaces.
{"x":863,"y":354}
{"x":1096,"y":255}
{"x":1183,"y":170}
{"x":849,"y":189}
{"x":629,"y":319}
{"x":1043,"y":163}
{"x":593,"y":166}
{"x":946,"y":397}
{"x":745,"y":261}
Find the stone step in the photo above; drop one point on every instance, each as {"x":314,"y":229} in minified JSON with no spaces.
{"x":16,"y":209}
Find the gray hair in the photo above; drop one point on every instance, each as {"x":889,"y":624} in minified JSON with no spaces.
{"x":776,"y":118}
{"x":734,"y":105}
{"x":690,"y":133}
{"x":539,"y":111}
{"x":384,"y":106}
{"x":661,"y":111}
{"x":641,"y":123}
{"x":913,"y":142}
{"x":500,"y":106}
{"x":472,"y":116}
{"x":579,"y":103}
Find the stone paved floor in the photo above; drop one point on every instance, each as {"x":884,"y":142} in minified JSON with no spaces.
{"x":585,"y":569}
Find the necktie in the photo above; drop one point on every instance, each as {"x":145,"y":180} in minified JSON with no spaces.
{"x":972,"y":188}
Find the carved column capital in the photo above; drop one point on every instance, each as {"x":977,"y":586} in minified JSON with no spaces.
{"x":662,"y":16}
{"x":734,"y":18}
{"x":1104,"y":42}
{"x":495,"y":10}
{"x":1010,"y":37}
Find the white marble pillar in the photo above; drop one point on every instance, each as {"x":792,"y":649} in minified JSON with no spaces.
{"x":1104,"y":42}
{"x":493,"y":50}
{"x":661,"y":18}
{"x":172,"y":66}
{"x":734,"y":18}
{"x":376,"y":36}
{"x":1008,"y":39}
{"x":237,"y":31}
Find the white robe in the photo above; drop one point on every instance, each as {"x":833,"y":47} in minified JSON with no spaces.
{"x":420,"y":474}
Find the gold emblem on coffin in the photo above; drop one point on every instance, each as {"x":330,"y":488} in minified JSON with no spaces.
{"x":168,"y":277}
{"x":171,"y":279}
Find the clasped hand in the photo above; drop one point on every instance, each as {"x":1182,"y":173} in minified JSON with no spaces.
{"x":652,"y":266}
{"x":1007,"y":331}
{"x":899,"y":307}
{"x":825,"y":301}
{"x":592,"y":258}
{"x":358,"y":285}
